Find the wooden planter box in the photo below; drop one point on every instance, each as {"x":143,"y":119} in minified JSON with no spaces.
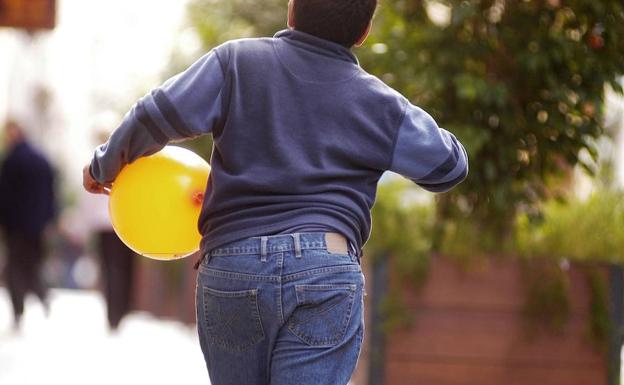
{"x":469,"y":328}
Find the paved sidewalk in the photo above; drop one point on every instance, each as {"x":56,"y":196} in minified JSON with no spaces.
{"x":73,"y":346}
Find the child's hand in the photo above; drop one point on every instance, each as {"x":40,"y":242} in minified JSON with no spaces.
{"x":91,"y":185}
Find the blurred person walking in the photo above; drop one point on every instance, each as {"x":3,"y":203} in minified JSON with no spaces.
{"x":117,"y":260}
{"x":27,"y":206}
{"x":88,"y":223}
{"x":117,"y":271}
{"x":90,"y":220}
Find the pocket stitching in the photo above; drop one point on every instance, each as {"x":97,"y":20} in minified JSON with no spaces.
{"x":231,"y":294}
{"x":325,"y":286}
{"x":310,"y":340}
{"x":349,"y":268}
{"x":258,"y":334}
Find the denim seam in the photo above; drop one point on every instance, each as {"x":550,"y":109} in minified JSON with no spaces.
{"x":327,"y":286}
{"x":345,"y":324}
{"x":330,"y":269}
{"x":238,"y":276}
{"x":359,"y":339}
{"x":230,"y":294}
{"x":234,"y":251}
{"x":280,"y":308}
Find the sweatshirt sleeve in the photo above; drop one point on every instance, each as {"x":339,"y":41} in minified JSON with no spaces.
{"x":427,"y":154}
{"x":185,"y":106}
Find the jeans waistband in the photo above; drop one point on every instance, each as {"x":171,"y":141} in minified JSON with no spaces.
{"x":283,"y":242}
{"x":332,"y":242}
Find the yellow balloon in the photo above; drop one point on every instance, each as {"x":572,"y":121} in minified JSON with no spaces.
{"x":155,"y":203}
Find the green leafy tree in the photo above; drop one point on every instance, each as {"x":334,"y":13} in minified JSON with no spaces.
{"x":217,"y":21}
{"x":520,"y":82}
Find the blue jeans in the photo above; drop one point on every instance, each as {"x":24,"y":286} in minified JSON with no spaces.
{"x":280,"y":310}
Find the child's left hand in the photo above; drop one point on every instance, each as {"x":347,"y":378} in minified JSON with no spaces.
{"x":91,"y":185}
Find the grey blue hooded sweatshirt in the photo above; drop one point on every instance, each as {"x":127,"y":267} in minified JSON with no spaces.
{"x":301,"y":133}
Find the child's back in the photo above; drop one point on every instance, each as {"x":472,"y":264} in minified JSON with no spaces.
{"x":301,"y":137}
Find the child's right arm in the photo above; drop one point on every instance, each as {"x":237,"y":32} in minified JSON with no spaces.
{"x":426,"y":154}
{"x":186,"y":106}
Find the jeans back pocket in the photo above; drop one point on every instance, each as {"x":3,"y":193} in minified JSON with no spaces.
{"x":323,"y":313}
{"x":232,"y":318}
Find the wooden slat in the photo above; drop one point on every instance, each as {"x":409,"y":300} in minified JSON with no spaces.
{"x":449,"y":373}
{"x":492,"y":283}
{"x":469,"y":328}
{"x":493,"y":337}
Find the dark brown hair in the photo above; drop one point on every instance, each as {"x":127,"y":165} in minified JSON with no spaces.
{"x":340,"y":21}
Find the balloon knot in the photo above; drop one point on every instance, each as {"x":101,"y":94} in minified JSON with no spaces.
{"x":198,"y":198}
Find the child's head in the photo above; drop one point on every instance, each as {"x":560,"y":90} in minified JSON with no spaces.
{"x":345,"y":22}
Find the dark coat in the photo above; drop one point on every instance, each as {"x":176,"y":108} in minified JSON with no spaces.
{"x":27,"y":201}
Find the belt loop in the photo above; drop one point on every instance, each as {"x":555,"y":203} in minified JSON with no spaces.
{"x":356,"y":252}
{"x":297,"y":239}
{"x":263,"y":248}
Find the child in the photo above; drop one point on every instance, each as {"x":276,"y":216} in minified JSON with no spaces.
{"x":302,"y":135}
